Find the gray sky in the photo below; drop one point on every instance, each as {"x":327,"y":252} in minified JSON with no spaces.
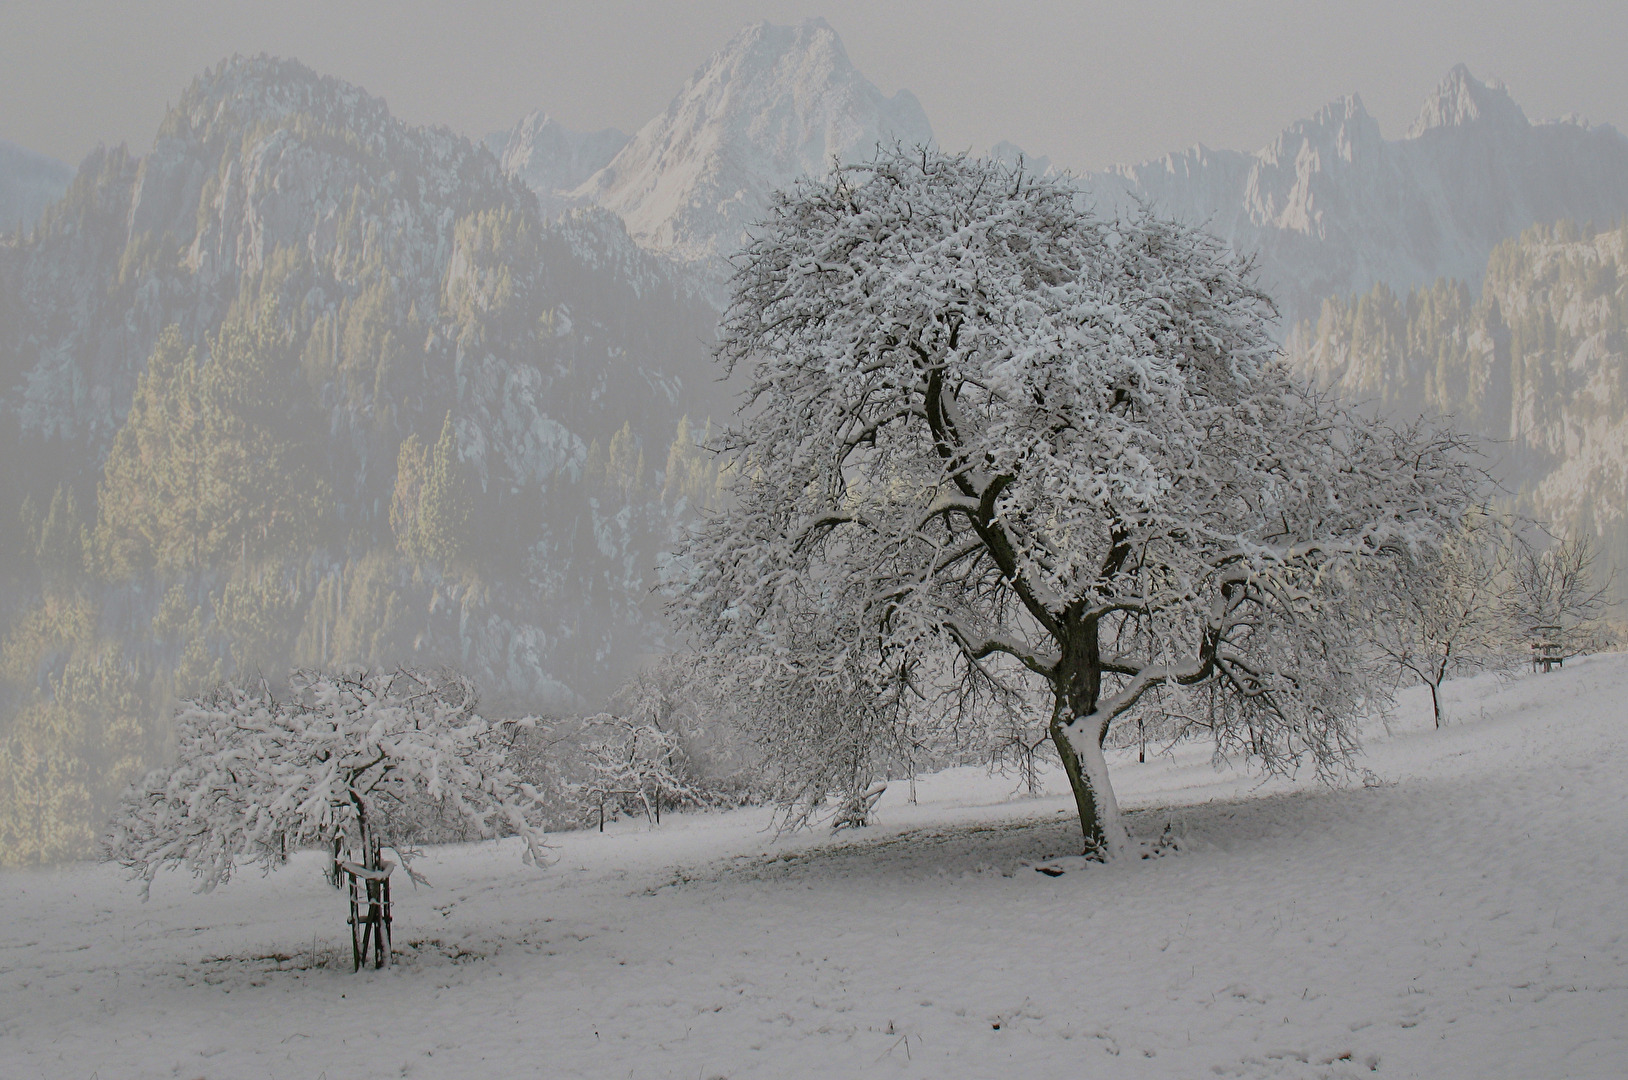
{"x":1086,"y":83}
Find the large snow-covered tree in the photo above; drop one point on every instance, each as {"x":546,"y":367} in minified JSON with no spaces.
{"x":999,"y":437}
{"x":336,"y":765}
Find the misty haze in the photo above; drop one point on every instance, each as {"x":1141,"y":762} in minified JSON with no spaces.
{"x":555,"y":543}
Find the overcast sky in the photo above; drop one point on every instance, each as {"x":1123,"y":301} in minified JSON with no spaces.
{"x":1086,"y":83}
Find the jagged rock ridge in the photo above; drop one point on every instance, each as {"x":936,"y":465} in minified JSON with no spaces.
{"x":553,"y":160}
{"x":1331,"y":207}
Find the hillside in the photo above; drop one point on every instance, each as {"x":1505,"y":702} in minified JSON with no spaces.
{"x":1458,"y":913}
{"x":1537,"y":364}
{"x":308,"y":385}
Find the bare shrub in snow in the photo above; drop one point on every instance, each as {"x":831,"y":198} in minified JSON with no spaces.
{"x":1560,"y":586}
{"x":820,"y":728}
{"x":634,"y":766}
{"x":1005,"y":439}
{"x":334,"y":766}
{"x":1444,"y":611}
{"x":665,"y":744}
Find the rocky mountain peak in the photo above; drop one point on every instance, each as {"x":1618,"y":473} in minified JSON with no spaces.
{"x":552,"y":158}
{"x":242,"y":91}
{"x":1461,"y":99}
{"x":775,"y":103}
{"x":1012,"y":155}
{"x":1341,"y":130}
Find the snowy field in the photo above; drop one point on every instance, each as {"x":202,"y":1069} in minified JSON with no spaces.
{"x":1463,"y":915}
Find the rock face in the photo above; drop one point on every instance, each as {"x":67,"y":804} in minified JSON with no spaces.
{"x":553,"y":160}
{"x":1331,"y":207}
{"x":29,"y":182}
{"x":775,"y":103}
{"x":412,"y":281}
{"x":1538,"y":366}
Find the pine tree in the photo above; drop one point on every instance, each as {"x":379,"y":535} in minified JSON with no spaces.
{"x":207,"y":468}
{"x":444,"y":506}
{"x":412,"y":471}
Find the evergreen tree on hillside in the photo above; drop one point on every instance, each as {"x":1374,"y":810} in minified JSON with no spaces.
{"x":431,"y":509}
{"x":444,"y":513}
{"x":60,"y":540}
{"x":207,"y":467}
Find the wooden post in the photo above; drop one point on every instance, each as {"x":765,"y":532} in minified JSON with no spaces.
{"x":369,"y":905}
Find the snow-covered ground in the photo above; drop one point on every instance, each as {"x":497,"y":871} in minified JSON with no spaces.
{"x":1463,"y":915}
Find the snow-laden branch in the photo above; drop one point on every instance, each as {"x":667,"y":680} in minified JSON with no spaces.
{"x":257,"y":779}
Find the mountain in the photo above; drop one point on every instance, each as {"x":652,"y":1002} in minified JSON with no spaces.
{"x":552,"y":159}
{"x":1537,"y":365}
{"x":775,"y":103}
{"x":1011,"y":155}
{"x":393,"y":286}
{"x":1331,"y":207}
{"x":307,"y":385}
{"x":29,"y":182}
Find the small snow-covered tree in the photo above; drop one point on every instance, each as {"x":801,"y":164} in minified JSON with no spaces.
{"x":1007,"y":438}
{"x":633,"y":764}
{"x":256,"y":778}
{"x":1443,"y":611}
{"x":1558,"y":586}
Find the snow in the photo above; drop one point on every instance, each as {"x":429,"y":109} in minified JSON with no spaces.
{"x":1460,"y":914}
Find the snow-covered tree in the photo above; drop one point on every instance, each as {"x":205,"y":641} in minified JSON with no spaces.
{"x":1006,"y":438}
{"x":633,"y":764}
{"x":1559,"y":586}
{"x":256,"y":778}
{"x":1443,"y":611}
{"x":820,"y":724}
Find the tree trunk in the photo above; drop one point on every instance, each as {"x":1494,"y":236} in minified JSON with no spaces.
{"x":1087,"y":772}
{"x":1078,"y":732}
{"x":1435,"y":702}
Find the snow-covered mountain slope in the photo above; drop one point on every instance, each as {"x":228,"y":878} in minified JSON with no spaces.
{"x":775,"y":103}
{"x":29,"y":182}
{"x":553,"y":160}
{"x":1331,"y":207}
{"x":1460,"y":914}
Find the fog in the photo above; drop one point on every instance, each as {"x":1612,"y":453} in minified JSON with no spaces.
{"x":1088,"y":84}
{"x":759,"y":522}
